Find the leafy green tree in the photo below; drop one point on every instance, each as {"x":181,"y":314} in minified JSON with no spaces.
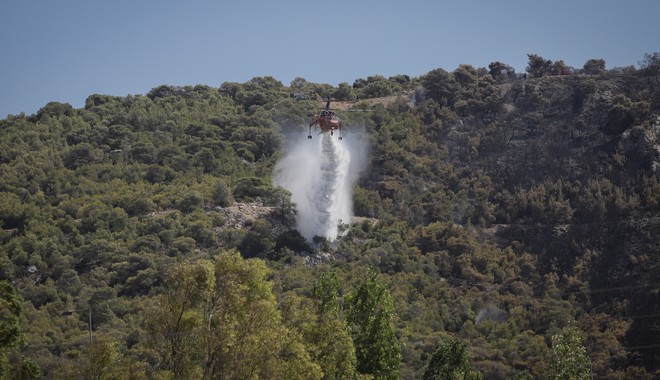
{"x":625,"y":113}
{"x":291,"y":241}
{"x":451,"y":361}
{"x":400,"y":79}
{"x":231,"y":89}
{"x":258,"y":241}
{"x":158,"y":174}
{"x":176,"y":320}
{"x":465,"y":75}
{"x":326,"y":292}
{"x":344,"y":92}
{"x":244,"y":335}
{"x":79,"y":155}
{"x":299,"y":83}
{"x":651,"y":63}
{"x":249,"y":188}
{"x":10,"y":330}
{"x":13,"y":212}
{"x":330,"y":334}
{"x":55,"y":109}
{"x":440,"y":86}
{"x":222,"y":194}
{"x":538,"y":66}
{"x":23,"y":368}
{"x":376,"y":89}
{"x":100,"y":216}
{"x":140,"y":206}
{"x":594,"y":67}
{"x":190,"y":202}
{"x":202,"y":231}
{"x":370,"y":315}
{"x":100,"y":360}
{"x":263,"y":83}
{"x":205,"y":159}
{"x":285,"y":209}
{"x":570,"y":360}
{"x":163,"y":91}
{"x":143,"y":152}
{"x":559,"y":68}
{"x":500,"y":71}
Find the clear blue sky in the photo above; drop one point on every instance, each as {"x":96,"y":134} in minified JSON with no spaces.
{"x":66,"y":50}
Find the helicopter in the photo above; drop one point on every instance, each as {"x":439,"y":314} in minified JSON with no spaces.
{"x":326,"y":120}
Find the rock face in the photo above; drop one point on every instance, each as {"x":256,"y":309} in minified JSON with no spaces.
{"x":243,"y":215}
{"x":643,"y":146}
{"x":240,"y":215}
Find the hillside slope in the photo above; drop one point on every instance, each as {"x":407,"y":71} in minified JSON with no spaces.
{"x":498,"y":212}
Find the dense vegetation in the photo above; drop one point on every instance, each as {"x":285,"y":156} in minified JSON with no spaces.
{"x":510,"y":230}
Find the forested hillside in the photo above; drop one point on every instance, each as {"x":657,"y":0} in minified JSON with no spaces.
{"x":508,"y":228}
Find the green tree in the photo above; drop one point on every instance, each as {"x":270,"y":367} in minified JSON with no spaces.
{"x":625,"y":113}
{"x":330,"y":334}
{"x":175,"y":322}
{"x":500,"y":71}
{"x":538,"y":66}
{"x":222,"y":194}
{"x":55,"y":109}
{"x":285,"y":209}
{"x":263,"y":83}
{"x":344,"y":92}
{"x":570,"y":360}
{"x":451,"y":361}
{"x":100,"y":360}
{"x":651,"y":63}
{"x":465,"y":75}
{"x":190,"y":201}
{"x":10,"y":330}
{"x":97,"y":215}
{"x":376,"y":89}
{"x":13,"y":212}
{"x":439,"y":86}
{"x":163,"y":91}
{"x":559,"y":68}
{"x":370,"y":316}
{"x":594,"y":67}
{"x":244,"y":336}
{"x":248,"y":188}
{"x":299,"y":83}
{"x":258,"y":242}
{"x":23,"y":368}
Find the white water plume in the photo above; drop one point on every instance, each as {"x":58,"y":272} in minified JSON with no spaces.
{"x":320,"y":174}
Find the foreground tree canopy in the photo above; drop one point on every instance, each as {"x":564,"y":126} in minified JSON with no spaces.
{"x":507,"y":229}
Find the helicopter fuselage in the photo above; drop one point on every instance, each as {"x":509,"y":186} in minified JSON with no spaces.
{"x":327,"y":121}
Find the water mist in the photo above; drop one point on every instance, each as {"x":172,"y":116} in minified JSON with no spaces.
{"x":320,"y":174}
